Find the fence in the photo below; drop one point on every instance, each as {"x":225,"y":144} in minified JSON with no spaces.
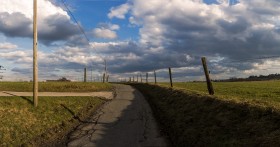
{"x":206,"y":72}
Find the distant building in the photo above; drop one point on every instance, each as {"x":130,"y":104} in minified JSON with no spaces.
{"x":63,"y":79}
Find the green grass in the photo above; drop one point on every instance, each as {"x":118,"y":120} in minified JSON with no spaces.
{"x":21,"y":122}
{"x":264,"y":92}
{"x":55,"y":86}
{"x":193,"y":118}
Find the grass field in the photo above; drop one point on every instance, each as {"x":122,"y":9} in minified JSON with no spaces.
{"x":21,"y":122}
{"x":242,"y":114}
{"x":264,"y":92}
{"x":55,"y":86}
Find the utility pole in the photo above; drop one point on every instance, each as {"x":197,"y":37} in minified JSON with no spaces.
{"x":155,"y":77}
{"x":85,"y":74}
{"x":35,"y":63}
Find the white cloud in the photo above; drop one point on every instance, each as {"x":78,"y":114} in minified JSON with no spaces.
{"x":104,"y":33}
{"x":45,"y":8}
{"x":185,"y":30}
{"x":7,"y":45}
{"x":114,"y":26}
{"x":54,"y":24}
{"x":119,"y":12}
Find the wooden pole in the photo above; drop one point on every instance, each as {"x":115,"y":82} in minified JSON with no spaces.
{"x":141,"y":77}
{"x":170,"y":77}
{"x":35,"y":63}
{"x":133,"y":79}
{"x":208,"y":80}
{"x":85,"y":74}
{"x":137,"y":78}
{"x":146,"y":77}
{"x":103,"y":78}
{"x":155,"y":74}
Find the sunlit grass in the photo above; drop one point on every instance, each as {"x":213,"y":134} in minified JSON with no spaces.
{"x":267,"y":92}
{"x":21,"y":122}
{"x":55,"y":86}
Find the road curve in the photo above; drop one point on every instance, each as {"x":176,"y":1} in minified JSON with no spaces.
{"x":126,"y":121}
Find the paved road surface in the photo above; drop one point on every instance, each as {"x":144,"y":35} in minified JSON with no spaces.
{"x":126,"y":121}
{"x":107,"y":95}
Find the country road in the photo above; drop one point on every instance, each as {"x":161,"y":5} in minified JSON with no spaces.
{"x":126,"y":121}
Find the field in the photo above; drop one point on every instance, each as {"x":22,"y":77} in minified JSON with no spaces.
{"x":55,"y":86}
{"x":21,"y":123}
{"x":259,"y":92}
{"x":239,"y":114}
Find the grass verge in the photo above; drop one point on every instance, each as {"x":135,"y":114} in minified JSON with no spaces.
{"x":21,"y":123}
{"x":193,"y":119}
{"x":267,"y":92}
{"x":56,"y":86}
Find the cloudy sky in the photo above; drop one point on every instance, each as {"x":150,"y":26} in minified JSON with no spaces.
{"x":238,"y":37}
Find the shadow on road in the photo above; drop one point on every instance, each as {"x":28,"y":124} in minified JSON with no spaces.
{"x":124,"y":122}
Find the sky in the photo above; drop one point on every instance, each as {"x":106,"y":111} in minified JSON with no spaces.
{"x":239,"y":38}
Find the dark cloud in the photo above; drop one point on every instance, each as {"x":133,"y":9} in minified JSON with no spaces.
{"x":25,"y":71}
{"x":15,"y":25}
{"x":77,"y":40}
{"x":61,"y":29}
{"x":238,"y":26}
{"x":54,"y":28}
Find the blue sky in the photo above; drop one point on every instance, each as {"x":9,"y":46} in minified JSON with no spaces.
{"x":137,"y":36}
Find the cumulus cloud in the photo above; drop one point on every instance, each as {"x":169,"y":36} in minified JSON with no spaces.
{"x":119,"y":12}
{"x":15,"y":24}
{"x":173,"y":33}
{"x":17,"y":56}
{"x":54,"y":24}
{"x":104,"y":33}
{"x":230,"y":30}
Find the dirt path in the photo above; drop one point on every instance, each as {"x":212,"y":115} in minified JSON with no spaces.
{"x":107,"y":95}
{"x":126,"y":121}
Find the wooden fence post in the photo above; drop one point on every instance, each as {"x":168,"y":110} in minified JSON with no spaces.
{"x":85,"y":75}
{"x":170,"y":76}
{"x":146,"y":77}
{"x":155,"y":74}
{"x":208,"y":80}
{"x":103,"y":80}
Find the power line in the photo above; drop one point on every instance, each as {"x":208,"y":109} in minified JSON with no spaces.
{"x":81,"y":29}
